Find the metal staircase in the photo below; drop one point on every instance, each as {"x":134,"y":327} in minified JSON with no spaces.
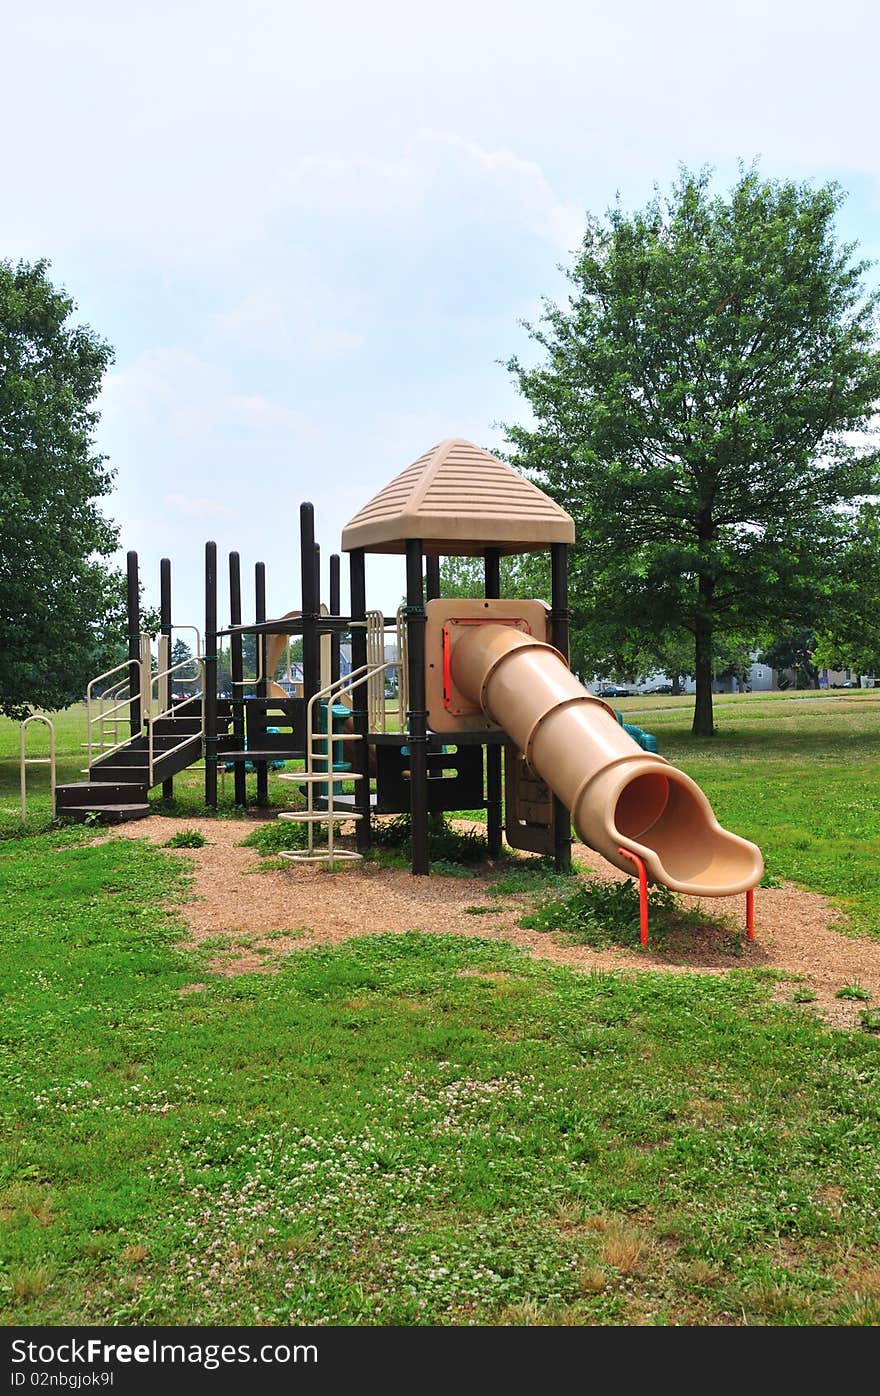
{"x":121,"y":773}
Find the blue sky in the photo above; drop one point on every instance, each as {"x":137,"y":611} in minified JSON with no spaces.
{"x":311,"y":234}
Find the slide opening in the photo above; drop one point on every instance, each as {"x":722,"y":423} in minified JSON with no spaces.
{"x":682,"y":833}
{"x":640,"y":804}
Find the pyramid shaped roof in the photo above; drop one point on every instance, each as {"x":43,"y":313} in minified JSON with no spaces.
{"x":459,"y":500}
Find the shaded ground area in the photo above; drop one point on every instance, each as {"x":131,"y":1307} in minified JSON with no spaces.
{"x":250,"y":910}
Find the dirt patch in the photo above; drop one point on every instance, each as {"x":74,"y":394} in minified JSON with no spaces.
{"x":253,"y":911}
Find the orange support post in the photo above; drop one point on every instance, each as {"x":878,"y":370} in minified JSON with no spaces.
{"x":643,"y":893}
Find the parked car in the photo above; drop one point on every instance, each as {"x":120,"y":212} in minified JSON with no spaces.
{"x":612,"y":690}
{"x":660,"y":688}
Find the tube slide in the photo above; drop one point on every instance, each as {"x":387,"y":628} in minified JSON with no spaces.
{"x":619,"y":795}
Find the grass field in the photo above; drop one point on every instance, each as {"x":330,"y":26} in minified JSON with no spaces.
{"x":408,"y":1129}
{"x":423,"y":1129}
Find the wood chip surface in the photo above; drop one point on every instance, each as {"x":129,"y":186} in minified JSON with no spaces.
{"x":255,"y":911}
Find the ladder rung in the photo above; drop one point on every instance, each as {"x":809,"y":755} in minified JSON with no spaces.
{"x":325,"y":776}
{"x":339,"y":855}
{"x":340,"y":737}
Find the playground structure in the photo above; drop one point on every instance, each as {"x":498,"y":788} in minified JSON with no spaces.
{"x":488,"y":715}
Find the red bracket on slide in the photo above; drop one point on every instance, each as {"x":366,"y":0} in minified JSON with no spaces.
{"x":643,"y":899}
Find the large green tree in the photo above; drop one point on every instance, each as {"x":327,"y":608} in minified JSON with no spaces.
{"x":694,"y":408}
{"x":849,"y":632}
{"x":61,"y":607}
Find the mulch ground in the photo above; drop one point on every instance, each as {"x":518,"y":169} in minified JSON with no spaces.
{"x":247,"y":901}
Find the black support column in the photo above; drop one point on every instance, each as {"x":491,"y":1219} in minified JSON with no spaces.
{"x":133,"y":606}
{"x":209,"y":677}
{"x":494,"y":800}
{"x":262,"y":686}
{"x":310,"y":605}
{"x":165,"y":629}
{"x":236,"y":661}
{"x":432,"y":577}
{"x":359,"y":712}
{"x":560,"y":616}
{"x":417,"y":716}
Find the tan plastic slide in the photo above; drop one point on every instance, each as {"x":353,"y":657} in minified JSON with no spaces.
{"x":619,"y":795}
{"x":274,"y":651}
{"x":276,"y":647}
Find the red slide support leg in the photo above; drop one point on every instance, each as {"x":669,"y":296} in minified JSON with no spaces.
{"x":643,"y":893}
{"x":750,"y":913}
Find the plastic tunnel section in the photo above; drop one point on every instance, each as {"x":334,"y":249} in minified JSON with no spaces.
{"x":619,"y":795}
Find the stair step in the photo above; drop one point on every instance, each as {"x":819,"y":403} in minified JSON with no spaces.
{"x":108,"y":814}
{"x":126,"y":756}
{"x":110,"y":771}
{"x":88,"y":792}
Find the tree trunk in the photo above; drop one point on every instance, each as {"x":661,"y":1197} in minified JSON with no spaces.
{"x":676,"y":685}
{"x":703,"y":724}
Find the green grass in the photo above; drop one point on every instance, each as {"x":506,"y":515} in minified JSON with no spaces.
{"x":408,"y":1129}
{"x":186,"y":838}
{"x":600,"y":913}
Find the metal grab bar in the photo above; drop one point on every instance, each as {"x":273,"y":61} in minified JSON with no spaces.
{"x":199,"y":654}
{"x":25,"y":761}
{"x":310,"y":776}
{"x":104,"y":713}
{"x":170,"y":711}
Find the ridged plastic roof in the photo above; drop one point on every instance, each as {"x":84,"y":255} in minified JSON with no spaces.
{"x":459,"y":500}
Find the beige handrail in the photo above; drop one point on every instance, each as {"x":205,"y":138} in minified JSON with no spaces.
{"x":310,"y":777}
{"x":103,"y":713}
{"x":170,"y":711}
{"x":24,"y":760}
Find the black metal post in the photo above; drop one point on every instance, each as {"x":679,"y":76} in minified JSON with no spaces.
{"x":335,"y":603}
{"x":560,"y":616}
{"x":262,"y":686}
{"x":133,"y":605}
{"x":165,"y":629}
{"x":432,"y":577}
{"x":494,"y":798}
{"x":359,"y":711}
{"x":492,"y":572}
{"x":210,"y":675}
{"x":417,"y":716}
{"x":310,"y":603}
{"x":319,"y":637}
{"x":236,"y":664}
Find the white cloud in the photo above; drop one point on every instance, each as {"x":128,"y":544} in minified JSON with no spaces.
{"x":495,"y":182}
{"x":510,"y":186}
{"x":259,"y":321}
{"x":176,"y":395}
{"x":284,"y":323}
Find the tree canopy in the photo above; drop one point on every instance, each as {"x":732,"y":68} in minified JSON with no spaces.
{"x":695,"y":408}
{"x":59,"y":602}
{"x":849,"y":635}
